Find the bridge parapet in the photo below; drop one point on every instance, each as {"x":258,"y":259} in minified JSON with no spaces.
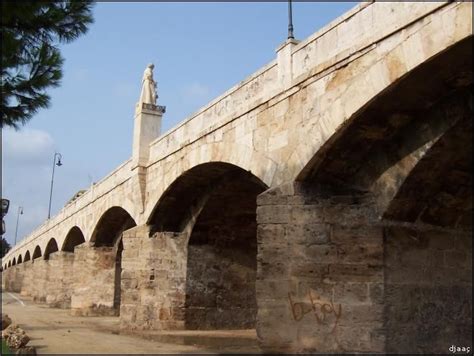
{"x":114,"y":179}
{"x":350,"y":34}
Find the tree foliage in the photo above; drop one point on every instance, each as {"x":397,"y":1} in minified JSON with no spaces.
{"x":5,"y":247}
{"x":31,"y":61}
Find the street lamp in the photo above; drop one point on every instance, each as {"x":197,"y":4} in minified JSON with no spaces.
{"x":20,"y":212}
{"x":59,"y":164}
{"x":290,"y":22}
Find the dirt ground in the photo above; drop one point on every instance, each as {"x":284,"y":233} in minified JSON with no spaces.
{"x":55,"y":331}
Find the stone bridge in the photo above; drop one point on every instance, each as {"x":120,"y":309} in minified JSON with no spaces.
{"x":326,"y":200}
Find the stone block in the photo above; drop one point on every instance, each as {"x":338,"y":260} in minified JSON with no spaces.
{"x":356,"y":235}
{"x":308,"y":234}
{"x":305,"y":214}
{"x":273,"y":214}
{"x":355,"y":273}
{"x":271,"y":234}
{"x":361,"y":253}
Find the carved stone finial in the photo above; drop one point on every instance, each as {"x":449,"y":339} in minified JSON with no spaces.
{"x":149,"y":92}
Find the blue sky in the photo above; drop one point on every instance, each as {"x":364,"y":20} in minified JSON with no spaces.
{"x":199,"y":50}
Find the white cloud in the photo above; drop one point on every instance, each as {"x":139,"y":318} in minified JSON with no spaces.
{"x":26,"y":172}
{"x":28,"y":146}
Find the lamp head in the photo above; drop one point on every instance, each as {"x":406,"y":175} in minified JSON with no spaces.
{"x":59,"y":164}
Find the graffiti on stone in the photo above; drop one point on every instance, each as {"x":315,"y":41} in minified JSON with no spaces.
{"x":324,"y":311}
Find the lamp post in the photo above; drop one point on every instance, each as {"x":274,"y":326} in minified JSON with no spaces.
{"x":290,"y":22}
{"x":20,"y":212}
{"x":59,"y":164}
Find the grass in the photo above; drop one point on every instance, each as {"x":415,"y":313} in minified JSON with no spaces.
{"x":5,"y":349}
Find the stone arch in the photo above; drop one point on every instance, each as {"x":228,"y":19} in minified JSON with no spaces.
{"x":383,"y":75}
{"x":27,"y":256}
{"x":239,"y":155}
{"x":183,"y":198}
{"x":20,"y":259}
{"x":9,"y":264}
{"x":107,"y":241}
{"x":73,"y":238}
{"x":37,"y":252}
{"x":51,"y":247}
{"x":14,"y":261}
{"x":110,"y":226}
{"x":384,"y":141}
{"x":212,"y":209}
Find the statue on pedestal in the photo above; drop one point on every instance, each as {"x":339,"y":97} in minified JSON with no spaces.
{"x":149,"y":92}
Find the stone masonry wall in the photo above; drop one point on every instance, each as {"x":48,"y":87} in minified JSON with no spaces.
{"x":12,"y":278}
{"x":59,"y":284}
{"x":17,"y":282}
{"x":27,"y":279}
{"x":93,"y":281}
{"x":428,"y":290}
{"x":164,"y":289}
{"x":40,"y":273}
{"x":153,"y":280}
{"x":320,"y":275}
{"x":220,"y":282}
{"x":334,"y":278}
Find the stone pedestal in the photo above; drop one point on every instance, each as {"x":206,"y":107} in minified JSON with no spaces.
{"x":147,"y":128}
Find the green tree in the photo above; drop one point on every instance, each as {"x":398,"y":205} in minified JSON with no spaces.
{"x":31,"y":61}
{"x":5,"y":247}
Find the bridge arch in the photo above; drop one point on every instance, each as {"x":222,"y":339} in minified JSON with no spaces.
{"x":213,"y":207}
{"x":409,"y":151}
{"x":384,"y":74}
{"x":107,"y":241}
{"x":20,"y":259}
{"x":9,"y":264}
{"x":14,"y":261}
{"x":37,"y":252}
{"x":108,"y":230}
{"x":384,"y":143}
{"x":27,"y":256}
{"x":235,"y":154}
{"x":51,"y":247}
{"x":73,"y":238}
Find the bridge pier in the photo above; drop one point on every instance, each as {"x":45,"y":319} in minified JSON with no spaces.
{"x":153,"y":278}
{"x":28,"y":278}
{"x":93,"y":281}
{"x":38,"y":287}
{"x":332,"y":277}
{"x":12,"y":279}
{"x":320,"y":272}
{"x":59,"y":284}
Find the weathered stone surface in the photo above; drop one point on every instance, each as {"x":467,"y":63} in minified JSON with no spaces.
{"x":332,"y":266}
